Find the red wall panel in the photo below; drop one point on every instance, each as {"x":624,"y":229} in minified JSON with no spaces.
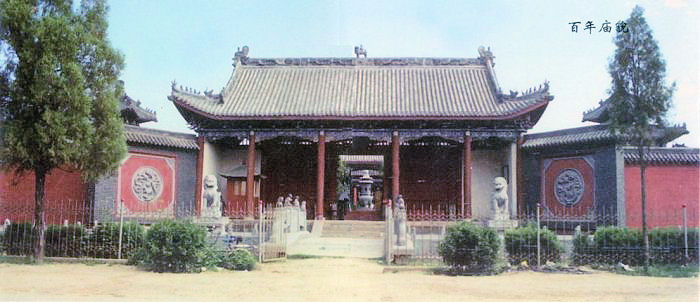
{"x":161,"y":169}
{"x":668,"y":188}
{"x":65,"y":196}
{"x":585,"y":204}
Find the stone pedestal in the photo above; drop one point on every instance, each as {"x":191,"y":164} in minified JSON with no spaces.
{"x":502,"y":224}
{"x":216,"y":225}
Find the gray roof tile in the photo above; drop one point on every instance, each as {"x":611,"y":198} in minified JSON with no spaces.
{"x":664,"y":156}
{"x":351,"y":88}
{"x":139,"y":135}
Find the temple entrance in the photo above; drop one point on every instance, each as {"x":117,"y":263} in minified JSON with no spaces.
{"x":360,"y":187}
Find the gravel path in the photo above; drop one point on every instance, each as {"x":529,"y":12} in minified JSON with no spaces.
{"x":327,"y":279}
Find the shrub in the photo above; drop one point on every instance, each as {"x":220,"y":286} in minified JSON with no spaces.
{"x":104,"y":240}
{"x":618,"y":244}
{"x":611,"y":245}
{"x":64,"y":241}
{"x":583,"y":249}
{"x":521,"y":244}
{"x":470,"y":248}
{"x":18,"y":239}
{"x":239,"y":260}
{"x":174,"y":246}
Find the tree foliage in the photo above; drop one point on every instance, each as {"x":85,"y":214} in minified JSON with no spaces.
{"x":639,"y":95}
{"x":59,"y":90}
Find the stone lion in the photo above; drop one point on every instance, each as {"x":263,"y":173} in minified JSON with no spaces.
{"x":211,"y":197}
{"x":499,"y":198}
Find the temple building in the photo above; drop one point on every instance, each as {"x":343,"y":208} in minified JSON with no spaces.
{"x":581,"y":173}
{"x":443,"y":126}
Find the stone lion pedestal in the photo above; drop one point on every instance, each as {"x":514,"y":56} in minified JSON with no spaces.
{"x":500,"y":220}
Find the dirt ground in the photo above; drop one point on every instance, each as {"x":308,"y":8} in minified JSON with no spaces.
{"x":327,"y":279}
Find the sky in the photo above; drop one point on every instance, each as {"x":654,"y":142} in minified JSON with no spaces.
{"x":193,"y":43}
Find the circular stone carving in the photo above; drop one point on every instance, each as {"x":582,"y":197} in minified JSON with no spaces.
{"x":147,"y":184}
{"x":569,"y":186}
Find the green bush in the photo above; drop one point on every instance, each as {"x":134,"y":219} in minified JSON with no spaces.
{"x":470,"y":248}
{"x":521,"y":244}
{"x":239,"y":260}
{"x":64,"y":241}
{"x":18,"y":239}
{"x":103,"y":242}
{"x":611,"y":245}
{"x":174,"y":246}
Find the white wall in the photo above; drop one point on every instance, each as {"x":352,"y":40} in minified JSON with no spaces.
{"x":486,"y":165}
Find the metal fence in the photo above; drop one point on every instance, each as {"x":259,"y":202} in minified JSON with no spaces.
{"x":80,"y":229}
{"x":596,"y":236}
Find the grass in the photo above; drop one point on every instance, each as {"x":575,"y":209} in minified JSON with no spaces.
{"x":663,"y":270}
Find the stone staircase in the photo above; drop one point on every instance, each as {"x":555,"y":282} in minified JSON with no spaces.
{"x":353,"y":229}
{"x":342,"y":238}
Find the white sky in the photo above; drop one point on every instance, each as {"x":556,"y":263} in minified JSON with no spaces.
{"x":193,"y":42}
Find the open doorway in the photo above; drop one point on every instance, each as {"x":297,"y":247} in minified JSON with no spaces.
{"x":360,"y":183}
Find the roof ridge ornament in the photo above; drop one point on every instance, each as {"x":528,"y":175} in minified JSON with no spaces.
{"x":360,"y":51}
{"x":242,"y":54}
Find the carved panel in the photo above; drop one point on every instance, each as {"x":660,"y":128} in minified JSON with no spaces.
{"x":147,"y":184}
{"x":569,"y":186}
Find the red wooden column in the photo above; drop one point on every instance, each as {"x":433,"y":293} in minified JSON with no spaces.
{"x":320,"y":175}
{"x":395,"y":171}
{"x":250,"y":176}
{"x":199,"y":176}
{"x":467,"y":176}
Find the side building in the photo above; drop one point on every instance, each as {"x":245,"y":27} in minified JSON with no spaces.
{"x":583,"y":174}
{"x":156,"y":179}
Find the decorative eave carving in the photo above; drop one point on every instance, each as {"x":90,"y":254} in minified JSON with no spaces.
{"x":381,"y":135}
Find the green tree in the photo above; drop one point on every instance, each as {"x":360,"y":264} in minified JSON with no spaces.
{"x":639,"y":95}
{"x":59,"y":80}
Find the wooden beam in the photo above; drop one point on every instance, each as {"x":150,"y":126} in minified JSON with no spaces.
{"x":199,"y":176}
{"x":320,"y":175}
{"x":395,"y":162}
{"x":250,"y":176}
{"x":467,"y":176}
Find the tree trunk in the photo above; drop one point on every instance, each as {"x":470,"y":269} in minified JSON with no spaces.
{"x":645,"y":233}
{"x":39,"y":240}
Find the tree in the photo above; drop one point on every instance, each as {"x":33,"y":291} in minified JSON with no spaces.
{"x":59,"y":80}
{"x":639,"y":95}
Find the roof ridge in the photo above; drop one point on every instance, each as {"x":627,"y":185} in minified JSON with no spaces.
{"x":350,"y":61}
{"x":159,"y":131}
{"x":567,"y":131}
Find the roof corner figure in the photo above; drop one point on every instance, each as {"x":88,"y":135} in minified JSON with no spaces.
{"x":241,"y":54}
{"x":360,"y":51}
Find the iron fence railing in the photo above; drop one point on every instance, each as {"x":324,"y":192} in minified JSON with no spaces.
{"x":594,"y":236}
{"x":83,"y":230}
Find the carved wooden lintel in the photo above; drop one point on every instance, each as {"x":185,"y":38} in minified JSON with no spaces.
{"x":380,"y":135}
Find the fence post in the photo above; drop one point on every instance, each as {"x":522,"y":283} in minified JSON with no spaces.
{"x":538,"y":234}
{"x":261,"y":229}
{"x":685,"y":232}
{"x":121,"y":226}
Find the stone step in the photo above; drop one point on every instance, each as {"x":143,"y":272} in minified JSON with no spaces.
{"x":353,"y":229}
{"x":367,"y":235}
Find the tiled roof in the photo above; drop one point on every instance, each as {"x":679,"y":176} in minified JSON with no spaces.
{"x":593,"y":134}
{"x":664,"y":156}
{"x":362,"y":159}
{"x":139,"y":135}
{"x":239,"y":171}
{"x":580,"y":135}
{"x":133,"y":113}
{"x":359,"y":89}
{"x":598,"y":114}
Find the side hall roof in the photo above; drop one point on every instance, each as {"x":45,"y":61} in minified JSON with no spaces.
{"x":145,"y":136}
{"x":361,"y":89}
